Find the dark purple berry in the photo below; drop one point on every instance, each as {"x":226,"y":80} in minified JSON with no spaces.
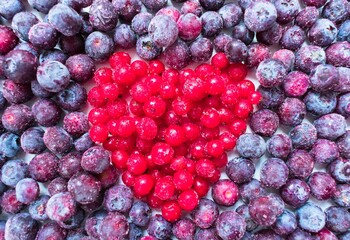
{"x":99,"y":46}
{"x":146,"y":48}
{"x":212,"y":24}
{"x":322,"y":33}
{"x":57,"y":185}
{"x":76,"y":123}
{"x":71,"y":45}
{"x":240,"y":170}
{"x":264,"y":122}
{"x":192,"y":6}
{"x":177,"y":55}
{"x":74,"y":221}
{"x":339,"y":169}
{"x":9,"y":145}
{"x":52,"y":55}
{"x":108,"y":177}
{"x":241,"y":32}
{"x":212,"y":4}
{"x":8,"y":39}
{"x":127,"y":9}
{"x":42,"y":6}
{"x":336,"y":10}
{"x":103,"y":15}
{"x":271,"y":97}
{"x":307,"y":17}
{"x":17,"y":118}
{"x":330,"y":126}
{"x":257,"y":53}
{"x":61,"y":207}
{"x":251,"y":190}
{"x":16,"y":93}
{"x":271,"y":73}
{"x":322,"y":185}
{"x":236,"y":51}
{"x":8,"y":9}
{"x":65,"y":19}
{"x":251,"y":145}
{"x":43,"y":36}
{"x":295,"y":192}
{"x":303,"y":136}
{"x":243,"y":210}
{"x":73,"y":98}
{"x":308,"y":57}
{"x":205,"y":213}
{"x":274,"y":173}
{"x":163,"y":30}
{"x":140,"y":213}
{"x":285,"y":224}
{"x":286,"y":10}
{"x":221,"y":40}
{"x":271,"y":35}
{"x":93,"y":222}
{"x":124,"y":37}
{"x":344,"y":31}
{"x":343,"y":144}
{"x":83,"y":143}
{"x":21,"y":226}
{"x":231,"y":14}
{"x":292,"y":38}
{"x":311,"y":217}
{"x":53,"y":76}
{"x":320,"y":104}
{"x":84,"y":188}
{"x":291,"y":112}
{"x":57,"y":140}
{"x":51,"y":230}
{"x":324,"y":151}
{"x":95,"y":160}
{"x":114,"y":226}
{"x":279,"y":146}
{"x":184,"y":229}
{"x":9,"y":202}
{"x":230,"y":225}
{"x":13,"y":171}
{"x":140,"y":23}
{"x":342,"y":195}
{"x":338,"y":54}
{"x":300,"y":164}
{"x":43,"y":167}
{"x":300,"y":234}
{"x":225,"y":192}
{"x":37,"y":208}
{"x":46,"y":112}
{"x":118,"y":198}
{"x":201,"y":50}
{"x":27,"y":190}
{"x":260,"y":15}
{"x":337,"y":219}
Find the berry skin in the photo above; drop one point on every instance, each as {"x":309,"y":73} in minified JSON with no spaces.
{"x":230,"y":225}
{"x":159,"y":227}
{"x":295,"y":192}
{"x":188,"y":200}
{"x":136,"y":164}
{"x":311,"y":217}
{"x":184,"y":229}
{"x":206,"y":213}
{"x":164,"y":188}
{"x":162,"y":153}
{"x":265,"y":209}
{"x":260,"y":16}
{"x":322,"y":185}
{"x":8,"y":39}
{"x":225,"y":193}
{"x":183,"y":180}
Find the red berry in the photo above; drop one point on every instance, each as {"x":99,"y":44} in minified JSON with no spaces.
{"x":128,"y":179}
{"x":146,"y":128}
{"x":124,"y":75}
{"x":96,"y":97}
{"x":125,"y":126}
{"x":171,"y":76}
{"x":205,"y":168}
{"x":204,"y":70}
{"x":226,"y":115}
{"x":153,"y":201}
{"x":246,"y":88}
{"x":237,"y":71}
{"x":110,"y":144}
{"x":140,"y":68}
{"x":117,"y":109}
{"x":171,"y":211}
{"x":186,"y":74}
{"x":188,"y":200}
{"x":164,"y":188}
{"x":162,"y":153}
{"x":136,"y":108}
{"x":144,"y":146}
{"x":191,"y":166}
{"x":167,"y":90}
{"x":220,"y":60}
{"x":216,"y":85}
{"x":98,"y":133}
{"x":195,"y":113}
{"x":140,"y":92}
{"x":216,"y":176}
{"x":154,"y":107}
{"x":191,"y":131}
{"x":119,"y":159}
{"x":254,"y":97}
{"x":197,"y":149}
{"x":143,"y":185}
{"x":119,"y":58}
{"x":221,"y":161}
{"x":194,"y":89}
{"x":238,"y":127}
{"x":179,"y":163}
{"x":98,"y":116}
{"x":156,"y":67}
{"x":231,"y":95}
{"x":210,"y":118}
{"x":183,"y":180}
{"x":110,"y":91}
{"x":181,"y":106}
{"x":171,"y":118}
{"x":201,"y":186}
{"x":214,"y":148}
{"x":175,"y":135}
{"x":243,"y":109}
{"x":153,"y":82}
{"x":137,"y":164}
{"x":228,"y":140}
{"x":103,"y":76}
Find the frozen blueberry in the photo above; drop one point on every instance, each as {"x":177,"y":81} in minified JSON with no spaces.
{"x":205,"y":213}
{"x":274,"y":173}
{"x":236,"y":51}
{"x":320,"y":104}
{"x":3,"y":101}
{"x":265,"y":209}
{"x":300,"y":234}
{"x":343,"y":144}
{"x":343,"y":106}
{"x":81,"y":67}
{"x":251,"y":190}
{"x":72,"y":98}
{"x":190,"y":26}
{"x":39,"y":91}
{"x":99,"y":46}
{"x":324,"y":77}
{"x":220,"y":42}
{"x":95,"y":159}
{"x":271,"y":73}
{"x":344,"y":80}
{"x":208,"y":233}
{"x":43,"y":36}
{"x":61,"y":207}
{"x":92,"y":223}
{"x":231,"y":14}
{"x":103,"y":15}
{"x":159,"y":227}
{"x":184,"y":229}
{"x":243,"y":210}
{"x":265,"y":234}
{"x":21,"y":226}
{"x":324,"y":151}
{"x":57,"y":185}
{"x":260,"y":15}
{"x":13,"y":171}
{"x":303,"y":136}
{"x":37,"y":208}
{"x":22,"y":22}
{"x":225,"y":192}
{"x":230,"y":225}
{"x":336,"y":10}
{"x":339,"y":170}
{"x":241,"y":32}
{"x":296,"y":84}
{"x":70,"y":164}
{"x":74,"y":221}
{"x":57,"y":140}
{"x":177,"y":55}
{"x":76,"y":123}
{"x":240,"y":170}
{"x":286,"y":10}
{"x":279,"y":146}
{"x":291,"y":112}
{"x":264,"y":122}
{"x":135,"y":232}
{"x":322,"y":33}
{"x":337,"y":219}
{"x":9,"y":202}
{"x":344,"y":31}
{"x":52,"y":55}
{"x":84,"y":188}
{"x":212,"y":4}
{"x":201,"y":50}
{"x":140,"y":213}
{"x":170,"y":11}
{"x":311,"y":217}
{"x":322,"y":185}
{"x":53,"y":76}
{"x":43,"y":167}
{"x":51,"y":230}
{"x":8,"y":9}
{"x":127,"y":9}
{"x":315,"y":3}
{"x":300,"y":164}
{"x":251,"y":145}
{"x":124,"y":37}
{"x":17,"y":118}
{"x":338,"y":54}
{"x":295,"y":192}
{"x":163,"y":30}
{"x":46,"y":112}
{"x":292,"y":38}
{"x":27,"y":190}
{"x":342,"y":195}
{"x":192,"y":6}
{"x":140,"y":22}
{"x":71,"y":45}
{"x":8,"y":39}
{"x":308,"y":57}
{"x":271,"y":35}
{"x":65,"y":19}
{"x":114,"y":226}
{"x":42,"y":6}
{"x":108,"y":177}
{"x":118,"y":198}
{"x":154,"y":5}
{"x":24,"y":46}
{"x":257,"y":52}
{"x":330,"y":126}
{"x":83,"y":143}
{"x":9,"y":145}
{"x":16,"y":93}
{"x":212,"y":24}
{"x":307,"y":17}
{"x":146,"y":48}
{"x":270,"y":97}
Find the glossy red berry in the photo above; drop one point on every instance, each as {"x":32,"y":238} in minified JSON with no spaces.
{"x":156,"y":67}
{"x":191,"y":131}
{"x":140,"y":68}
{"x":164,"y":188}
{"x":162,"y":153}
{"x":119,"y":58}
{"x":205,"y":168}
{"x":96,"y":97}
{"x":103,"y":76}
{"x":237,"y":71}
{"x":183,"y":180}
{"x":171,"y":211}
{"x":143,"y":185}
{"x":154,"y":107}
{"x":246,"y":87}
{"x":181,"y":106}
{"x":228,"y":140}
{"x":153,"y":201}
{"x":137,"y":164}
{"x":117,"y":108}
{"x":216,"y":85}
{"x":255,"y":97}
{"x":220,"y":60}
{"x":200,"y":186}
{"x":98,"y":116}
{"x":175,"y":135}
{"x":243,"y":109}
{"x":124,"y":75}
{"x":171,"y":76}
{"x":214,"y":148}
{"x":238,"y":127}
{"x":188,"y":200}
{"x":98,"y":133}
{"x":210,"y":118}
{"x":128,"y":179}
{"x":119,"y":159}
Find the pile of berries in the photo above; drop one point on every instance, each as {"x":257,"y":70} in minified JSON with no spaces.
{"x":169,"y":130}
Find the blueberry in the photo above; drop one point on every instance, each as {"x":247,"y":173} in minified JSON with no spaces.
{"x":236,"y":51}
{"x":308,"y":57}
{"x":300,"y":234}
{"x":241,"y":32}
{"x":76,"y":235}
{"x":42,"y":6}
{"x":251,"y":145}
{"x":303,"y":136}
{"x":271,"y":97}
{"x":285,"y":224}
{"x":344,"y":31}
{"x":27,"y":190}
{"x":295,"y":192}
{"x":22,"y":22}
{"x":83,"y":143}
{"x":74,"y":221}
{"x":292,"y":38}
{"x":69,"y":164}
{"x":24,"y":46}
{"x":72,"y":98}
{"x":108,"y":177}
{"x":343,"y":106}
{"x":192,"y":6}
{"x":9,"y":145}
{"x":338,"y":54}
{"x":114,"y":226}
{"x":9,"y":202}
{"x":8,"y":9}
{"x":46,"y":112}
{"x":127,"y":9}
{"x":72,"y":45}
{"x":118,"y":198}
{"x":65,"y":19}
{"x":300,"y":164}
{"x":322,"y":185}
{"x":87,"y":28}
{"x":274,"y":173}
{"x":3,"y":101}
{"x":322,"y":33}
{"x":154,"y":5}
{"x":37,"y":208}
{"x":271,"y":35}
{"x":343,"y":144}
{"x":339,"y":170}
{"x":184,"y":229}
{"x":240,"y":170}
{"x":51,"y":230}
{"x":77,"y":4}
{"x":146,"y":48}
{"x":336,"y":10}
{"x":260,"y":15}
{"x":76,"y":123}
{"x":140,"y":213}
{"x":271,"y":73}
{"x":243,"y":210}
{"x":16,"y":93}
{"x":52,"y":55}
{"x":2,"y":74}
{"x":8,"y":39}
{"x":177,"y":55}
{"x":135,"y":232}
{"x":311,"y":217}
{"x":99,"y":46}
{"x":95,"y":160}
{"x":159,"y":227}
{"x":307,"y":17}
{"x":231,"y":14}
{"x":296,"y":84}
{"x":124,"y":37}
{"x":163,"y":30}
{"x":93,"y":222}
{"x":190,"y":26}
{"x":57,"y":185}
{"x":251,"y":190}
{"x":344,"y":236}
{"x":40,"y":92}
{"x":81,"y":67}
{"x":266,"y":234}
{"x":324,"y":151}
{"x":315,"y":3}
{"x":53,"y":76}
{"x":324,"y":77}
{"x":330,"y":126}
{"x":43,"y":35}
{"x":208,"y":233}
{"x":84,"y":188}
{"x":61,"y":207}
{"x":292,"y":112}
{"x":48,"y":172}
{"x":264,"y":122}
{"x":320,"y":104}
{"x":205,"y":213}
{"x":221,"y":40}
{"x":201,"y":50}
{"x":103,"y":15}
{"x":344,"y":80}
{"x":57,"y":140}
{"x":279,"y":146}
{"x":225,"y":192}
{"x":257,"y":52}
{"x":21,"y":226}
{"x":286,"y":10}
{"x":342,"y":194}
{"x":140,"y":22}
{"x":13,"y":171}
{"x":212,"y":24}
{"x":230,"y":225}
{"x":212,"y":4}
{"x":17,"y":118}
{"x":337,"y":219}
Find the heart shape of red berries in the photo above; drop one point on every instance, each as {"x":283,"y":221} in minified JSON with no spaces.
{"x":169,"y":131}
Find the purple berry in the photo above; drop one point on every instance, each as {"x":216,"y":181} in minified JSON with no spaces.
{"x":9,"y":145}
{"x":212,"y":4}
{"x":73,"y":98}
{"x":140,"y":22}
{"x":308,"y":57}
{"x":9,"y":202}
{"x":322,"y":185}
{"x":266,"y":234}
{"x":57,"y":185}
{"x":338,"y":54}
{"x":322,"y":33}
{"x":127,"y":9}
{"x":74,"y":221}
{"x":240,"y":170}
{"x":225,"y":192}
{"x":205,"y":214}
{"x":84,"y":188}
{"x":140,"y":213}
{"x":337,"y":219}
{"x":154,"y":4}
{"x":37,"y":208}
{"x":8,"y":39}
{"x":42,"y":6}
{"x":251,"y":145}
{"x":177,"y":55}
{"x":76,"y":123}
{"x":343,"y":144}
{"x":83,"y":143}
{"x":251,"y":190}
{"x":300,"y":164}
{"x":61,"y":207}
{"x":135,"y":232}
{"x":208,"y":233}
{"x":114,"y":226}
{"x":46,"y":112}
{"x":257,"y":52}
{"x":292,"y":38}
{"x":103,"y":15}
{"x":192,"y":6}
{"x":241,"y":32}
{"x":65,"y":19}
{"x":295,"y":192}
{"x":99,"y":46}
{"x":72,"y":45}
{"x":43,"y":36}
{"x":170,"y":11}
{"x":32,"y":141}
{"x":307,"y":17}
{"x":51,"y":230}
{"x":163,"y":30}
{"x":220,"y":42}
{"x":311,"y":217}
{"x":286,"y":10}
{"x":93,"y":222}
{"x":303,"y":136}
{"x":291,"y":112}
{"x":95,"y":160}
{"x":271,"y":97}
{"x":271,"y":73}
{"x":260,"y":15}
{"x":236,"y":51}
{"x":201,"y":50}
{"x":279,"y":146}
{"x":342,"y":195}
{"x":330,"y":126}
{"x":230,"y":225}
{"x":320,"y":104}
{"x":231,"y":14}
{"x":324,"y":77}
{"x":324,"y":151}
{"x":271,"y":35}
{"x":184,"y":229}
{"x":57,"y":140}
{"x":16,"y":93}
{"x":43,"y":167}
{"x":146,"y":48}
{"x":8,"y":9}
{"x":336,"y":10}
{"x":264,"y":122}
{"x":300,"y":234}
{"x":315,"y":3}
{"x":274,"y":173}
{"x":17,"y":118}
{"x":118,"y":198}
{"x":27,"y":190}
{"x":344,"y":31}
{"x":52,"y":55}
{"x":13,"y":171}
{"x":296,"y":84}
{"x":190,"y":26}
{"x":53,"y":76}
{"x":21,"y":226}
{"x":339,"y":169}
{"x":108,"y":177}
{"x":124,"y":37}
{"x":212,"y":24}
{"x":243,"y":210}
{"x":343,"y":106}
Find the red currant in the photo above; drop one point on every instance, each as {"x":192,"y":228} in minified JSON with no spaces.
{"x":179,"y":163}
{"x":162,"y":153}
{"x":171,"y":76}
{"x":143,"y":185}
{"x":205,"y":168}
{"x":191,"y":131}
{"x":228,"y":140}
{"x":237,"y":71}
{"x":137,"y":164}
{"x":210,"y":118}
{"x":140,"y":68}
{"x":146,"y":128}
{"x":110,"y":91}
{"x":98,"y":133}
{"x":221,"y":161}
{"x":164,"y":188}
{"x":214,"y":148}
{"x":231,"y":95}
{"x":125,"y":126}
{"x":140,"y":92}
{"x":220,"y":60}
{"x":117,"y":109}
{"x":181,"y":106}
{"x":119,"y":58}
{"x":197,"y":149}
{"x":119,"y":159}
{"x":156,"y":67}
{"x":136,"y":108}
{"x":246,"y":88}
{"x":204,"y":70}
{"x":243,"y":109}
{"x":154,"y":107}
{"x":216,"y":85}
{"x":153,"y":82}
{"x":128,"y":179}
{"x":124,"y":75}
{"x":188,"y":200}
{"x":238,"y":127}
{"x":171,"y":211}
{"x":175,"y":135}
{"x":103,"y":76}
{"x":96,"y":97}
{"x":201,"y":186}
{"x":194,"y":89}
{"x":98,"y":116}
{"x":183,"y":180}
{"x":153,"y":201}
{"x":255,"y":97}
{"x":167,"y":90}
